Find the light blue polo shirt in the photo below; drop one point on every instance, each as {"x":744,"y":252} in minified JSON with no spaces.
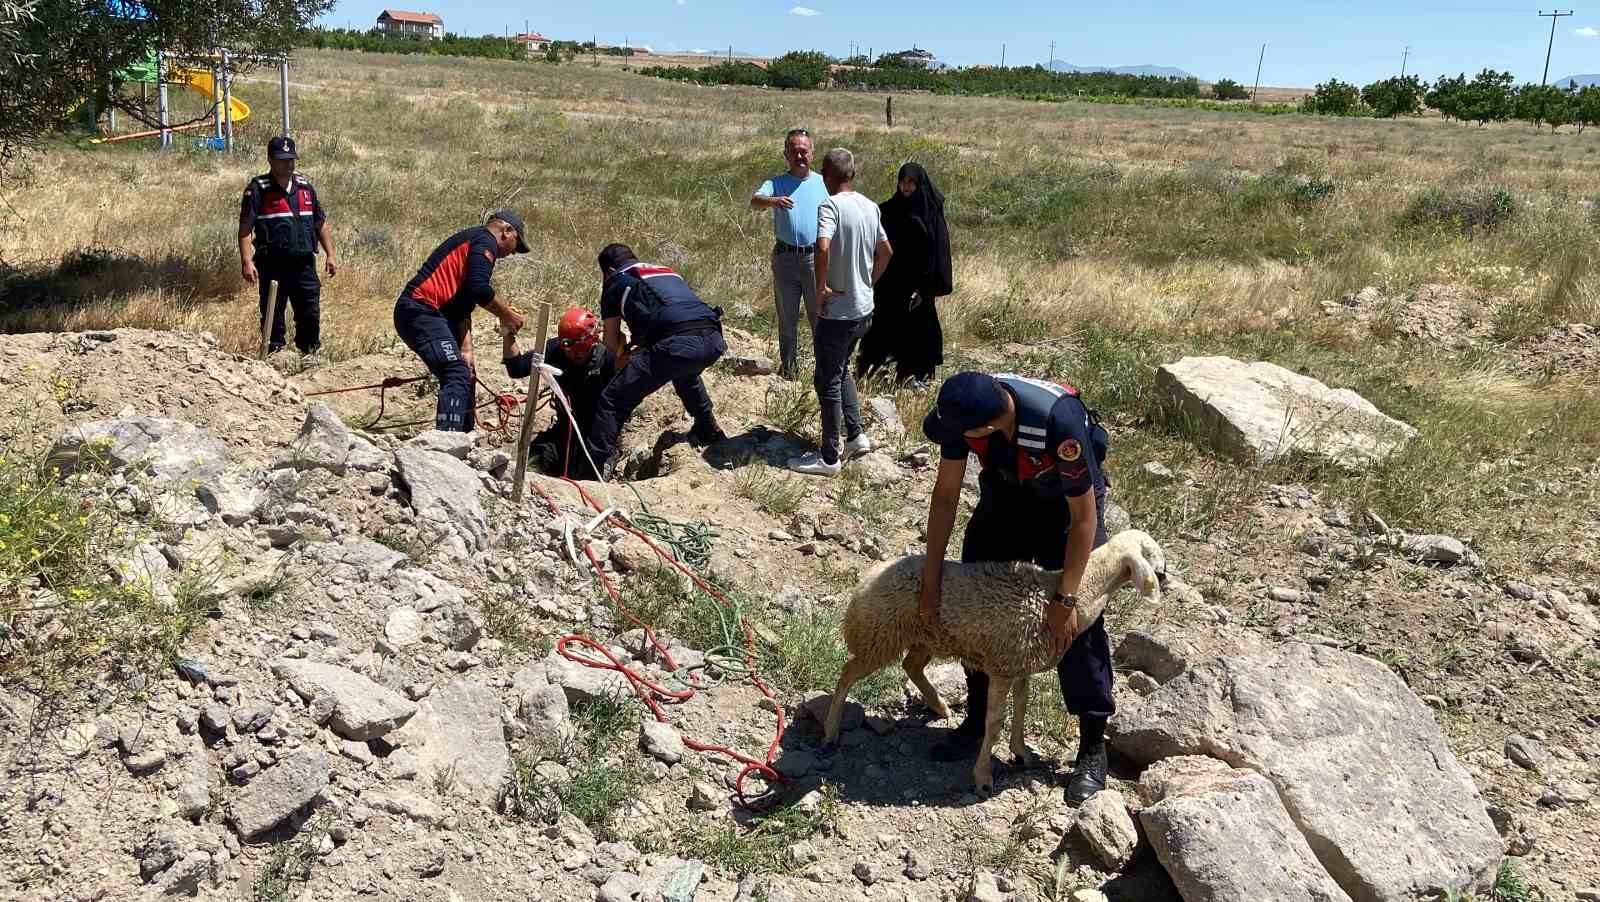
{"x":799,"y":225}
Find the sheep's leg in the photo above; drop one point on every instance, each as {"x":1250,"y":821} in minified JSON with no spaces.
{"x":854,"y":670}
{"x":916,"y":659}
{"x":1019,"y":718}
{"x":982,"y":777}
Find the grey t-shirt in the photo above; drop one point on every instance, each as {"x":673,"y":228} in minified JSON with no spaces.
{"x":853,"y":226}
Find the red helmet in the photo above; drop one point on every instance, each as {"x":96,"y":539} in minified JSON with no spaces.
{"x":579,"y":330}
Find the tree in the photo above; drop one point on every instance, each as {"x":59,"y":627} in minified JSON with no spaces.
{"x":798,"y":69}
{"x":1228,"y":89}
{"x":1540,"y":104}
{"x":1487,"y":98}
{"x":57,"y":54}
{"x":1586,"y":107}
{"x":1447,"y":95}
{"x":1334,"y":98}
{"x":1391,"y":97}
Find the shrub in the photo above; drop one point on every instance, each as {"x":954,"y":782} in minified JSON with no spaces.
{"x":1391,"y":97}
{"x":1470,"y":210}
{"x":61,"y":616}
{"x":1228,"y":89}
{"x":798,"y":69}
{"x":1334,"y":98}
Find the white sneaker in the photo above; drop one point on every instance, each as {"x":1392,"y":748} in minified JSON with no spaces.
{"x":856,"y":446}
{"x":812,"y":464}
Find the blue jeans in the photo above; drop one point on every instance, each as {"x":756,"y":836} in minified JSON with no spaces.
{"x":438,"y":342}
{"x":835,"y":341}
{"x":678,"y":359}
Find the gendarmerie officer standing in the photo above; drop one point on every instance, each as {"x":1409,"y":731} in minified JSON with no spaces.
{"x":281,"y":222}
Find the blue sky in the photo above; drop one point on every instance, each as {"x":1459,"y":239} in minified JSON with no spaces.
{"x":1307,"y":42}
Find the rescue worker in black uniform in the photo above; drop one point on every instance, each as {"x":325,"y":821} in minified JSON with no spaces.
{"x":587,"y":367}
{"x":1041,"y":498}
{"x":281,"y":222}
{"x":675,"y":335}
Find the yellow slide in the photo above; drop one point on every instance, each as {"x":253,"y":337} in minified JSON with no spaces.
{"x":200,"y":82}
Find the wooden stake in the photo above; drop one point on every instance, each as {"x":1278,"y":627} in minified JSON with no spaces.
{"x":520,"y":479}
{"x":270,"y":318}
{"x":888,"y":110}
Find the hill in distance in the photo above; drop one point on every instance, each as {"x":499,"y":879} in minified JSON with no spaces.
{"x":1146,"y":69}
{"x":1583,"y":81}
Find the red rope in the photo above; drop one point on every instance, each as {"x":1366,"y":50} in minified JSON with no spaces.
{"x":640,"y":685}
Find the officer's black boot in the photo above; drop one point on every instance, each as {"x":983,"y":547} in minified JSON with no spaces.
{"x":1089,"y":770}
{"x":707,"y":432}
{"x":963,"y":741}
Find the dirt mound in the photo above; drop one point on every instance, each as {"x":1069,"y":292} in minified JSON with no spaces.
{"x":1570,"y":349}
{"x":1449,"y":316}
{"x":62,"y":377}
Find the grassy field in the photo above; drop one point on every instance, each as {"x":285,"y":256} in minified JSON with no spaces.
{"x":1090,"y":241}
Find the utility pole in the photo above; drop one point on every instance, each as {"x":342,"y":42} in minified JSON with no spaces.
{"x":1403,"y":58}
{"x":1554,"y":17}
{"x":1002,"y":56}
{"x":1052,"y":62}
{"x":1259,"y":61}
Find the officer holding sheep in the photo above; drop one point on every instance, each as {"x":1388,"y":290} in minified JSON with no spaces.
{"x":1041,"y":498}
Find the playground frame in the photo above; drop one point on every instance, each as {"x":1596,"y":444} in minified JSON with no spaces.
{"x":218,"y":71}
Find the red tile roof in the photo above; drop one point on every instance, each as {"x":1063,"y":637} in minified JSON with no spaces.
{"x":400,"y":15}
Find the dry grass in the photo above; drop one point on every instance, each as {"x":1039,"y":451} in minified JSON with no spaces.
{"x":1091,"y":242}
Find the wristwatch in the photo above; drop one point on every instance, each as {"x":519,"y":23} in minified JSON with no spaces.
{"x":1071,"y":601}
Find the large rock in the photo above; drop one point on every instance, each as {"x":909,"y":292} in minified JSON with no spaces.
{"x":1162,"y":653}
{"x":371,"y":559}
{"x":1223,"y":835}
{"x":1357,"y":759}
{"x":171,"y":450}
{"x":323,"y":442}
{"x":278,"y":792}
{"x":584,"y":685}
{"x":461,"y":736}
{"x":1261,"y":411}
{"x":444,"y":491}
{"x":361,"y":709}
{"x":1104,"y":824}
{"x":543,"y":707}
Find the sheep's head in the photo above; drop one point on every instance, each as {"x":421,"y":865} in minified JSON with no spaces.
{"x":1144,"y":563}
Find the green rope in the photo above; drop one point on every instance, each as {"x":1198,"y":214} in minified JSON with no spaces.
{"x":728,"y":658}
{"x":690,"y":543}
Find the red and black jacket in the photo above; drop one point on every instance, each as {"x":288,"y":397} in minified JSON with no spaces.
{"x":455,"y":278}
{"x":285,"y":222}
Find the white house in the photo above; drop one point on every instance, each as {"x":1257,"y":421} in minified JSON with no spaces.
{"x":410,"y":24}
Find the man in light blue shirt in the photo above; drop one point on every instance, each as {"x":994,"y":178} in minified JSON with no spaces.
{"x":793,"y":198}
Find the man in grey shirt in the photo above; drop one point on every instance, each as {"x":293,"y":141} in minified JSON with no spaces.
{"x":793,"y":198}
{"x":852,"y":252}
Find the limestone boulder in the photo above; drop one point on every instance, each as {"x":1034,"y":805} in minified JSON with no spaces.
{"x":278,"y":792}
{"x":458,"y":734}
{"x":1357,"y":759}
{"x":1222,"y":834}
{"x":1257,"y":412}
{"x":172,"y":451}
{"x":358,"y":708}
{"x":444,"y":491}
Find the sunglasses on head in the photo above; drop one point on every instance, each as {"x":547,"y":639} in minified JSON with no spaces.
{"x":798,"y":132}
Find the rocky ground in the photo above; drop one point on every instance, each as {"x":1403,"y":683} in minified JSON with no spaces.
{"x":1320,"y":707}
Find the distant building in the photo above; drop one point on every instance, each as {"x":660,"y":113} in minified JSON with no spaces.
{"x":916,"y":56}
{"x":410,"y":24}
{"x":533,"y":43}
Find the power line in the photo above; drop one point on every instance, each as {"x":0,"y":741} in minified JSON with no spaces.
{"x":1403,"y":57}
{"x":1554,"y":17}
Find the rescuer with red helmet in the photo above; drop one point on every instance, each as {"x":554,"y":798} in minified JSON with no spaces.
{"x":586,"y":367}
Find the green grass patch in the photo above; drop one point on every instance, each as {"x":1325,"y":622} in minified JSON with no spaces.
{"x":763,"y":847}
{"x":776,"y":494}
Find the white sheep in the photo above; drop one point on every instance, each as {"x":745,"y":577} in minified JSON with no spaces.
{"x":990,"y":617}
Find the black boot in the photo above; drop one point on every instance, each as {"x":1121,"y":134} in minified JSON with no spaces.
{"x":964,"y":739}
{"x":707,"y":432}
{"x":1089,"y":770}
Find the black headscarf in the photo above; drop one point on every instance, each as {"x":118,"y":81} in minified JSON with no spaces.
{"x":924,"y":210}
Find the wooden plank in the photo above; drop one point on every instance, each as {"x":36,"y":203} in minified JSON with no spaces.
{"x":270,"y":318}
{"x":520,"y":479}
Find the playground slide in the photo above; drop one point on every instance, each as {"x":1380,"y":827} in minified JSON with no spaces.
{"x":200,"y":82}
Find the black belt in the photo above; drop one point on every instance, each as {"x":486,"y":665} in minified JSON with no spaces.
{"x":795,"y":248}
{"x":694,"y":325}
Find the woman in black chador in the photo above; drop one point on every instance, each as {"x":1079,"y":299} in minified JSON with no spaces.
{"x":905,"y":325}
